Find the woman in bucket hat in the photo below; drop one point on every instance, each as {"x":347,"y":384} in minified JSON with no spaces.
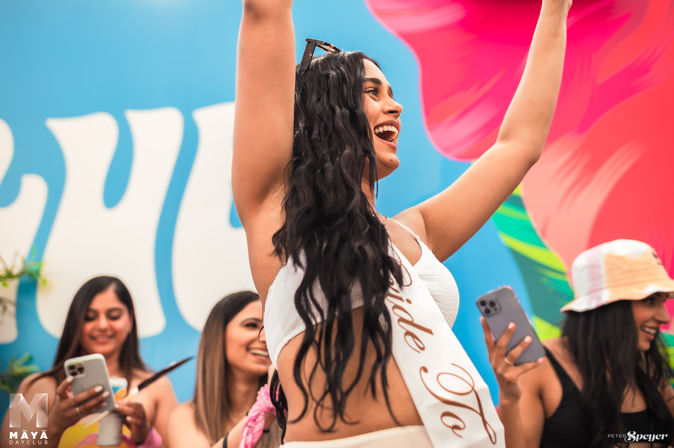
{"x":605,"y":381}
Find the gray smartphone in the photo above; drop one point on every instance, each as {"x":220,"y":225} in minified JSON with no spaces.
{"x":499,"y":308}
{"x":89,"y":371}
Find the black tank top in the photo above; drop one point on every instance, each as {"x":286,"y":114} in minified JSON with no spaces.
{"x":568,"y":425}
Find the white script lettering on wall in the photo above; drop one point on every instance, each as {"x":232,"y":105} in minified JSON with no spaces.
{"x":18,"y":223}
{"x":210,"y":257}
{"x":88,"y":239}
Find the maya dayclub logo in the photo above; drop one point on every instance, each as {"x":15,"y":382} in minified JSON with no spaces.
{"x":22,"y":429}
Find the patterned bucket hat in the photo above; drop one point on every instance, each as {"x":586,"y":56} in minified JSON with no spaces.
{"x":617,"y":270}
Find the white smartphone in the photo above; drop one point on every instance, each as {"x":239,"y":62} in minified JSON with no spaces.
{"x":89,"y":371}
{"x":499,"y":308}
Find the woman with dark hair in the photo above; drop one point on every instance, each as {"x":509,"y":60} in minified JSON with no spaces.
{"x":606,"y":381}
{"x":232,"y":365}
{"x":101,"y":319}
{"x":354,"y":301}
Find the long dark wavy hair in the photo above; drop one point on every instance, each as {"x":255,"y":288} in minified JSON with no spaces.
{"x":603,"y":343}
{"x":212,"y":403}
{"x":69,"y":344}
{"x":333,"y":233}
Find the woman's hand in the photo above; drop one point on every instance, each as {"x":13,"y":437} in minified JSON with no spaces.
{"x":135,"y":419}
{"x":68,"y":409}
{"x":507,"y":373}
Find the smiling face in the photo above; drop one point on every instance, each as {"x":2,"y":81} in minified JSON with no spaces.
{"x":649,"y":314}
{"x":245,"y":345}
{"x":383,"y":114}
{"x":107,"y":324}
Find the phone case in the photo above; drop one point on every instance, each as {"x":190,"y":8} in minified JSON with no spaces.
{"x":89,"y":371}
{"x":499,"y":308}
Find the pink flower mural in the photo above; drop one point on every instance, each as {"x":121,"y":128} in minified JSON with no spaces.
{"x":605,"y":172}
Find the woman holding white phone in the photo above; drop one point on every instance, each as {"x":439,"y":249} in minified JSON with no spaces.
{"x":101,"y":319}
{"x":605,"y":381}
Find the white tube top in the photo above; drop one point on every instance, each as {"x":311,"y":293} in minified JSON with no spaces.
{"x":282,"y":322}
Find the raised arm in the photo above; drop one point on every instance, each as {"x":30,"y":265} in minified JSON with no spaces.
{"x":450,"y":218}
{"x":263,"y":124}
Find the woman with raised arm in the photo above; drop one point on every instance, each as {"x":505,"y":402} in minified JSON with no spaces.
{"x":346,"y":289}
{"x":606,"y":381}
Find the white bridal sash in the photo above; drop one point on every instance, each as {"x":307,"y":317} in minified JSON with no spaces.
{"x":450,"y":395}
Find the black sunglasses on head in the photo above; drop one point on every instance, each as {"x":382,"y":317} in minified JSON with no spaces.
{"x":309,"y":52}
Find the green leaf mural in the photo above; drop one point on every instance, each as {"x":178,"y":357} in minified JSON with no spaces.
{"x":543,"y":272}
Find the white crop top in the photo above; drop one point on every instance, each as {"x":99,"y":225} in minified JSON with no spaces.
{"x":282,"y":322}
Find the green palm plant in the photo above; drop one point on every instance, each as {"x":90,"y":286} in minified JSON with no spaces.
{"x":30,"y":269}
{"x":17,"y":368}
{"x":16,"y":371}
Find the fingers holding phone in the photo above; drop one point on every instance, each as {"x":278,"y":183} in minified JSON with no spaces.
{"x":90,"y":401}
{"x":512,"y":343}
{"x":503,"y":363}
{"x":499,"y":353}
{"x":136,"y":419}
{"x":500,"y":308}
{"x":68,"y":409}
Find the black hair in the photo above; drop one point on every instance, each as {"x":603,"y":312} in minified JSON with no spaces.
{"x":603,"y":343}
{"x":333,"y":233}
{"x":69,"y":344}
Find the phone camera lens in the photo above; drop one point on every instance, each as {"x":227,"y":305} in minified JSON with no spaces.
{"x":492,"y":304}
{"x":487,"y":311}
{"x":483,"y":303}
{"x":80,"y":370}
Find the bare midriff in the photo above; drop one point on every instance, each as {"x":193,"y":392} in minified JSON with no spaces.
{"x":365,"y":412}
